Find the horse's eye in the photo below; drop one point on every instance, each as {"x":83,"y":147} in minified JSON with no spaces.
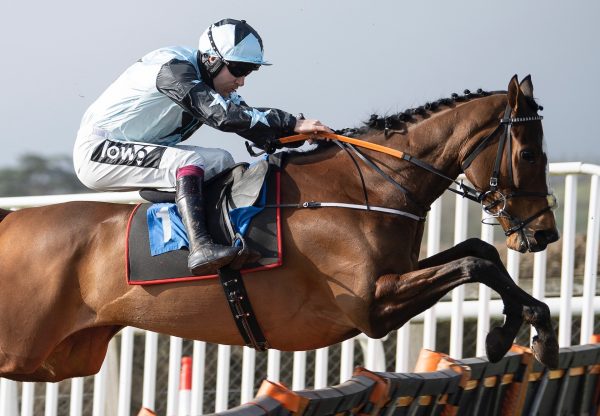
{"x":528,"y":156}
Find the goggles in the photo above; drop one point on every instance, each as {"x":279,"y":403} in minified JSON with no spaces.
{"x":241,"y":69}
{"x":238,"y":69}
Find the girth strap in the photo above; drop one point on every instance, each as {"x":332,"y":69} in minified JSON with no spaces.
{"x":243,"y":315}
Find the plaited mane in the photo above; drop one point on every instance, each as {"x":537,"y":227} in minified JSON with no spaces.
{"x":400,"y":121}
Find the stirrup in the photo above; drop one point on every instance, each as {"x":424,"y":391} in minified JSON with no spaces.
{"x":208,"y":259}
{"x":245,"y":254}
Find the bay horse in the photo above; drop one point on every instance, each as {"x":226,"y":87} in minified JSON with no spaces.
{"x":63,"y":292}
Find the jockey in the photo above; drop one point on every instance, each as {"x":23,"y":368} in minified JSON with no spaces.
{"x":130,"y":136}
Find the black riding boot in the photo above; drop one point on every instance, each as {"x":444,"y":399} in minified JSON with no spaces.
{"x":205,"y":256}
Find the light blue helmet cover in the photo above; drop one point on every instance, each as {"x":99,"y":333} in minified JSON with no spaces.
{"x":234,"y":40}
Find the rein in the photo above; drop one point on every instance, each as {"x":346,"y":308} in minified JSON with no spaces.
{"x":467,"y":192}
{"x":505,"y":142}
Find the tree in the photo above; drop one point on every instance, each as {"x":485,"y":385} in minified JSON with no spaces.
{"x":39,"y":175}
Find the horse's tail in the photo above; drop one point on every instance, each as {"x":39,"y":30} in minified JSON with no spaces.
{"x":4,"y":213}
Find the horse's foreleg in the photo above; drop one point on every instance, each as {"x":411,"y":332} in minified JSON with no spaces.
{"x":534,"y":312}
{"x":473,"y":247}
{"x":518,"y":304}
{"x":400,"y":297}
{"x":500,"y":339}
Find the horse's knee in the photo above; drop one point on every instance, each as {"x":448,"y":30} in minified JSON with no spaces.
{"x":481,"y":249}
{"x":513,"y":310}
{"x":477,"y":269}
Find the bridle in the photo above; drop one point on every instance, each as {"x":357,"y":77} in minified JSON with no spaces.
{"x":495,"y":208}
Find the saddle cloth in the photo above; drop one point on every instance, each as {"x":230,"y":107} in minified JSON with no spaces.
{"x":227,"y":195}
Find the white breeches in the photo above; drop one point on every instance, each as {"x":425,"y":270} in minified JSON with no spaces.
{"x":107,"y":165}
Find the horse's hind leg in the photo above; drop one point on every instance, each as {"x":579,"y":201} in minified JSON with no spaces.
{"x":518,"y":304}
{"x":80,"y":354}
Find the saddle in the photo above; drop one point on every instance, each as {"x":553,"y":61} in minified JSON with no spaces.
{"x":234,"y":201}
{"x":236,"y":187}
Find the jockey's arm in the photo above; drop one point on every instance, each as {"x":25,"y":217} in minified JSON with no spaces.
{"x":179,"y":81}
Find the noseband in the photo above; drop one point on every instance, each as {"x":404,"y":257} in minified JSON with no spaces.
{"x":497,"y":206}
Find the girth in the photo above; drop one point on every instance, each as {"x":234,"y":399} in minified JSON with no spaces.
{"x":237,"y":187}
{"x":241,"y":309}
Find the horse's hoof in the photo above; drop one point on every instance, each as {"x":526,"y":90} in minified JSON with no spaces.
{"x":496,"y":344}
{"x":546,"y":352}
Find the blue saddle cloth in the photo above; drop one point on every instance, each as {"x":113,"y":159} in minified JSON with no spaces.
{"x":157,"y":244}
{"x":167,"y":232}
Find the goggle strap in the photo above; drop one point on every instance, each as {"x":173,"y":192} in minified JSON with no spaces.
{"x":214,"y":45}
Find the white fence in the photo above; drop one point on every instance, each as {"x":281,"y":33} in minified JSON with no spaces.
{"x":112,"y":386}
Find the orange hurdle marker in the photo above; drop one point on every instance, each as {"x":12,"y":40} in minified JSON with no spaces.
{"x":185,"y":387}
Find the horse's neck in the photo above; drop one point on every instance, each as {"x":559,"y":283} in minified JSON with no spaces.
{"x":440,"y":141}
{"x":444,"y":139}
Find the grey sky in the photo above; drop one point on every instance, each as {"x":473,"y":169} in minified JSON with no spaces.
{"x":338,"y":61}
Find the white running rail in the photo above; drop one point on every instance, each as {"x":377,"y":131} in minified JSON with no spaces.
{"x":112,"y":386}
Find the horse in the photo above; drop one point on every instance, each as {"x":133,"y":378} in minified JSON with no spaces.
{"x":345,"y":271}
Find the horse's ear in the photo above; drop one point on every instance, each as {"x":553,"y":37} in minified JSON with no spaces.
{"x":513,"y":92}
{"x":527,"y":86}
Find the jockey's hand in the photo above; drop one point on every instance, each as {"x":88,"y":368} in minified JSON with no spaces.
{"x":312,"y":127}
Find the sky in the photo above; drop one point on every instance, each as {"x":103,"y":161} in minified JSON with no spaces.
{"x":337,"y":61}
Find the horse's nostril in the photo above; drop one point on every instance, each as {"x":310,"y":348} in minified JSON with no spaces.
{"x":545,"y":237}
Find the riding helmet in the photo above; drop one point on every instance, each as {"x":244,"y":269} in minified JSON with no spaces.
{"x":232,"y":41}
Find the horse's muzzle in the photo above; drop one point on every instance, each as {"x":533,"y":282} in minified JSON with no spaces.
{"x":529,"y":240}
{"x":543,"y":238}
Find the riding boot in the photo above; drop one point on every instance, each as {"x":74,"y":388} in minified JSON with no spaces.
{"x":205,"y":256}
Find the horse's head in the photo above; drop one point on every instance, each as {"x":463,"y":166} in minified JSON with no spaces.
{"x":510,"y":167}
